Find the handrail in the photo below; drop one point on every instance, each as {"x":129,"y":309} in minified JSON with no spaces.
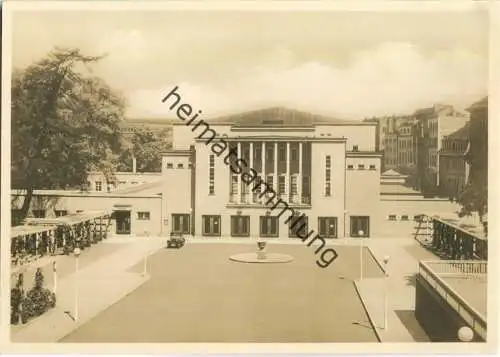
{"x":476,"y":320}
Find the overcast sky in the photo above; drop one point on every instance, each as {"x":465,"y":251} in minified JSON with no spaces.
{"x":346,"y":64}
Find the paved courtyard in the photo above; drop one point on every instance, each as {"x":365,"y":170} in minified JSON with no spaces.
{"x":197,"y":294}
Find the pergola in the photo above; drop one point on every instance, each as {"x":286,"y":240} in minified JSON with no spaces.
{"x":30,"y":241}
{"x":458,"y":242}
{"x":80,"y":229}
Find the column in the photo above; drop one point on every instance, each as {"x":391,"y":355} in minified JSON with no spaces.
{"x":263,"y":159}
{"x":238,"y":193}
{"x":299,"y":179}
{"x":275,"y":183}
{"x":134,"y":164}
{"x":287,"y":175}
{"x":250,"y":192}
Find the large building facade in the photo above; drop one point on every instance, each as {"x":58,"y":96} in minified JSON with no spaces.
{"x":324,"y":170}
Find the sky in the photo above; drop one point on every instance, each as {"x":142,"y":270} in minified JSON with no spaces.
{"x":344,"y":64}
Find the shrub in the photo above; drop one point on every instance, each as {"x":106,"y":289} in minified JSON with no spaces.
{"x":38,"y":300}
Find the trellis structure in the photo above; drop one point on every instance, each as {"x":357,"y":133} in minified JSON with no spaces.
{"x":74,"y":230}
{"x":30,"y":242}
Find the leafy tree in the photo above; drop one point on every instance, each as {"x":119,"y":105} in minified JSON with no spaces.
{"x":474,"y":198}
{"x":147,"y":146}
{"x":65,"y":122}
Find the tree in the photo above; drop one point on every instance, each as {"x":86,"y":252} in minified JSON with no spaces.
{"x":474,"y":197}
{"x":147,"y":146}
{"x":65,"y":123}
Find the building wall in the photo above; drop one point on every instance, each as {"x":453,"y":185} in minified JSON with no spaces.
{"x":123,"y":180}
{"x":439,"y":321}
{"x":82,"y":202}
{"x":362,"y":136}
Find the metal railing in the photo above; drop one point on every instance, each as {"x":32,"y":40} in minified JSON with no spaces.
{"x":457,"y":268}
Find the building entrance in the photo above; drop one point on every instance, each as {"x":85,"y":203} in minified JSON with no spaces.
{"x":123,"y":222}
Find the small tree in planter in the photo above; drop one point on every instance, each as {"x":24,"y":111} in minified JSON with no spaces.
{"x":38,"y":299}
{"x":16,"y":298}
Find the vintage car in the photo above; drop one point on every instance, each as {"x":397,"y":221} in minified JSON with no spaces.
{"x":176,"y":240}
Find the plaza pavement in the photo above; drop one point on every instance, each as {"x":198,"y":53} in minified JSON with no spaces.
{"x":100,"y":284}
{"x":106,"y":281}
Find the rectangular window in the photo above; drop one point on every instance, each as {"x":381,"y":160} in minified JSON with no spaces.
{"x":180,"y":223}
{"x":281,"y":185}
{"x":372,"y":167}
{"x":328,"y":176}
{"x":170,"y":165}
{"x":355,"y":148}
{"x":240,"y":226}
{"x":282,"y":153}
{"x":361,"y":167}
{"x":211,"y":184}
{"x":143,"y":216}
{"x":293,"y":154}
{"x":234,"y":185}
{"x":350,"y":167}
{"x":60,"y":213}
{"x":39,"y":213}
{"x":298,"y":225}
{"x":98,"y":186}
{"x":180,"y":166}
{"x":360,"y":226}
{"x":269,"y":226}
{"x":327,"y":227}
{"x":270,"y":183}
{"x":211,"y":225}
{"x":294,"y":185}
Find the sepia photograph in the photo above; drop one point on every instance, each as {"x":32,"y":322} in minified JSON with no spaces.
{"x":246,"y":174}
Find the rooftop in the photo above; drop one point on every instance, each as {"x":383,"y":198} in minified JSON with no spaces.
{"x":280,"y":116}
{"x":462,"y":133}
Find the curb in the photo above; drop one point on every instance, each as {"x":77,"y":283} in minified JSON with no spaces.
{"x":375,"y":329}
{"x":380,"y":265}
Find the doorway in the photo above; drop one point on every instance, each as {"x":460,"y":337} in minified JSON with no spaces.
{"x":123,"y":222}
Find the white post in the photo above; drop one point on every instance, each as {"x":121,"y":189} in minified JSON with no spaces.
{"x":250,"y":193}
{"x":145,"y":270}
{"x":275,"y":183}
{"x":386,"y":292}
{"x":240,"y":183}
{"x":299,"y":179}
{"x":77,"y":267}
{"x":54,"y":270}
{"x":361,"y":233}
{"x":287,"y":166}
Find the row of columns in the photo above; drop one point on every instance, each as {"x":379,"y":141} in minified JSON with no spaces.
{"x":275,"y":174}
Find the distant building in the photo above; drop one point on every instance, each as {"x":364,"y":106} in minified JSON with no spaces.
{"x":433,"y":124}
{"x":453,"y":168}
{"x":478,"y":151}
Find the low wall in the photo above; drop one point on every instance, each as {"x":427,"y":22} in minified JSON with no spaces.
{"x":440,"y":322}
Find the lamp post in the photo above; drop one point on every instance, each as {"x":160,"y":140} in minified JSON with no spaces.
{"x":145,"y":268}
{"x":76,"y":253}
{"x":386,"y":286}
{"x":345,"y":223}
{"x":361,"y":234}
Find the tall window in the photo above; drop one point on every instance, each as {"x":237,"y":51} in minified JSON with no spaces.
{"x":98,"y":186}
{"x":211,"y":184}
{"x":294,"y":185}
{"x":281,"y":185}
{"x":234,"y":185}
{"x":269,"y":226}
{"x":328,"y":176}
{"x":211,"y":225}
{"x":240,"y":226}
{"x":327,"y":227}
{"x":180,"y":223}
{"x":282,"y":153}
